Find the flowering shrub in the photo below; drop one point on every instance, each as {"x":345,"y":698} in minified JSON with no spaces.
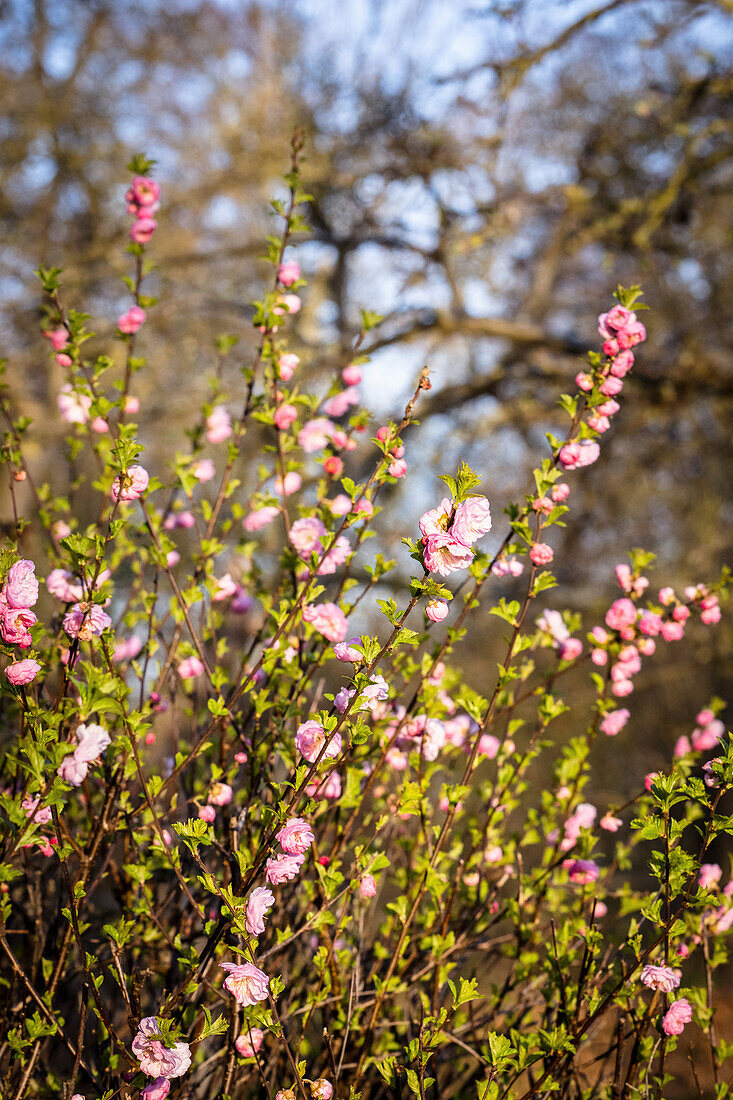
{"x":247,"y":850}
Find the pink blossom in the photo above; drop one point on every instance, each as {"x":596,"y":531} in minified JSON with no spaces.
{"x":132,"y":320}
{"x":621,"y":688}
{"x":709,"y":875}
{"x":676,"y":1016}
{"x":345,"y":651}
{"x":287,"y":365}
{"x":329,"y":788}
{"x":610,"y":824}
{"x":328,"y":619}
{"x":59,"y":338}
{"x":286,"y":486}
{"x":295,"y":837}
{"x":436,"y":610}
{"x":660,"y":977}
{"x":156,"y":1090}
{"x":541,"y":554}
{"x":224,"y":587}
{"x":22,"y":672}
{"x":621,"y":613}
{"x":633,"y":334}
{"x":576,"y":454}
{"x":127,"y":649}
{"x":190,"y":667}
{"x":310,"y":738}
{"x":250,"y":1041}
{"x":581,"y":871}
{"x":74,"y":407}
{"x":672,"y":631}
{"x":285,"y":415}
{"x":682,"y":746}
{"x":341,"y":402}
{"x":614,"y":722}
{"x":364,"y":507}
{"x":570,"y":649}
{"x":622,"y":363}
{"x":472,"y":520}
{"x":283,"y":868}
{"x":218,"y":425}
{"x":130,"y":485}
{"x":367,"y":886}
{"x":86,"y":620}
{"x":488,"y":746}
{"x":321,"y":1089}
{"x":155,"y":1059}
{"x":143,"y":229}
{"x":708,"y":737}
{"x":444,"y":555}
{"x":143,"y":191}
{"x":611,"y":386}
{"x":305,"y":536}
{"x":287,"y":303}
{"x":288,"y":272}
{"x":650,"y":623}
{"x":246,"y":983}
{"x":203,"y":470}
{"x":340,"y":505}
{"x":584,"y":381}
{"x":15,"y":624}
{"x":351,"y":374}
{"x":397,"y":468}
{"x":543,"y":505}
{"x":220,"y":794}
{"x":21,"y":587}
{"x":560,"y":491}
{"x":207,"y":813}
{"x":258,"y":903}
{"x":507,"y":567}
{"x":260,"y":518}
{"x":335,"y":557}
{"x":437,"y":520}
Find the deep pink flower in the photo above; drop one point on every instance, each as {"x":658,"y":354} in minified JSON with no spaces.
{"x":581,"y":871}
{"x":279,"y":869}
{"x":575,"y":455}
{"x":156,"y":1090}
{"x":143,"y":229}
{"x":295,"y":837}
{"x":541,"y":554}
{"x":132,"y":320}
{"x":143,"y":191}
{"x":676,"y":1016}
{"x":21,"y":586}
{"x":259,"y":901}
{"x":22,"y":672}
{"x":155,"y":1059}
{"x":15,"y":624}
{"x":288,"y":272}
{"x":621,"y":613}
{"x":614,"y":722}
{"x":660,"y":977}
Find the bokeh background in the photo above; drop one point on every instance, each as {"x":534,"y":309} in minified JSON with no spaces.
{"x":484,"y":175}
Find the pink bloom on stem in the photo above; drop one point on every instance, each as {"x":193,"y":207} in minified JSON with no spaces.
{"x":74,"y":407}
{"x":676,"y":1016}
{"x":250,"y":1041}
{"x":367,"y":886}
{"x":279,"y":869}
{"x":143,"y":229}
{"x":156,"y":1090}
{"x":584,"y":381}
{"x":560,"y":492}
{"x":398,"y":468}
{"x":287,"y":365}
{"x":334,"y":466}
{"x":218,"y":425}
{"x":132,"y":320}
{"x":472,"y":520}
{"x":130,"y":485}
{"x":541,"y":554}
{"x":220,"y":794}
{"x":575,"y":455}
{"x":610,"y":824}
{"x":285,"y":415}
{"x":328,"y":619}
{"x":190,"y":667}
{"x":143,"y":191}
{"x":286,"y":486}
{"x":258,"y":903}
{"x":224,"y":588}
{"x":340,"y":505}
{"x":310,"y":738}
{"x":316,"y":434}
{"x":155,"y":1059}
{"x":260,"y":518}
{"x":246,"y":983}
{"x":581,"y":871}
{"x":351,"y":374}
{"x":612,"y":386}
{"x":15,"y":624}
{"x":614,"y":722}
{"x":22,"y":672}
{"x":306,"y":535}
{"x":660,"y":977}
{"x":203,"y":470}
{"x":59,"y":338}
{"x":621,"y":613}
{"x":341,"y":402}
{"x":570,"y":649}
{"x":288,"y":303}
{"x":622,"y":363}
{"x":444,"y":554}
{"x":436,"y":610}
{"x":295,"y":837}
{"x":86,"y":620}
{"x":288,"y":272}
{"x":437,"y":520}
{"x":345,"y":651}
{"x":321,"y":1089}
{"x":21,"y":587}
{"x":364,"y":507}
{"x":709,"y":875}
{"x":207,"y":813}
{"x":672,"y":631}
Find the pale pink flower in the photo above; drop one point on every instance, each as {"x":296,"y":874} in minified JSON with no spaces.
{"x":127,"y":649}
{"x":260,"y":518}
{"x":321,"y":1089}
{"x":250,"y":1041}
{"x":21,"y":586}
{"x":676,"y":1016}
{"x":660,"y":977}
{"x":614,"y":722}
{"x":218,"y":425}
{"x":22,"y":672}
{"x":155,"y":1059}
{"x":437,"y":520}
{"x":286,"y":486}
{"x":305,"y":536}
{"x":340,"y":505}
{"x":74,"y":407}
{"x":351,"y":374}
{"x":316,"y":434}
{"x":246,"y":983}
{"x":220,"y":794}
{"x":367,"y":886}
{"x":436,"y":610}
{"x":190,"y":667}
{"x":445,"y":555}
{"x":258,"y":903}
{"x":295,"y":837}
{"x":708,"y":737}
{"x":341,"y":402}
{"x":279,"y":869}
{"x":328,"y":619}
{"x":709,"y":875}
{"x":203,"y":470}
{"x":224,"y":587}
{"x":610,"y":823}
{"x":310,"y":738}
{"x":364,"y":507}
{"x":288,"y":303}
{"x":552,"y":623}
{"x":86,"y":620}
{"x":287,"y":365}
{"x":130,"y":485}
{"x":345,"y":651}
{"x":335,"y":557}
{"x":207,"y":813}
{"x":570,"y":649}
{"x":584,"y":381}
{"x":672,"y":631}
{"x":156,"y":1090}
{"x":472,"y":519}
{"x":329,"y":788}
{"x":132,"y":320}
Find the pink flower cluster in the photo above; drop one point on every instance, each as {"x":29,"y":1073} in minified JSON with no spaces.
{"x":86,"y":620}
{"x":449,"y":531}
{"x":156,"y":1060}
{"x":295,"y":838}
{"x":91,"y":741}
{"x":142,"y":202}
{"x":306,"y":535}
{"x":17,"y":597}
{"x":328,"y":619}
